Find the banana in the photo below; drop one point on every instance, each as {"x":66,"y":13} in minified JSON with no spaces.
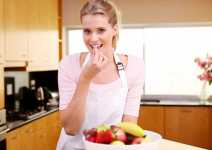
{"x":131,"y":128}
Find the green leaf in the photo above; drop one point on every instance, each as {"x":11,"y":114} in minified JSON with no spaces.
{"x":210,"y":82}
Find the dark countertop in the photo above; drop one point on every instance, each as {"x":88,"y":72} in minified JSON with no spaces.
{"x":16,"y":124}
{"x":174,"y":100}
{"x":177,"y":103}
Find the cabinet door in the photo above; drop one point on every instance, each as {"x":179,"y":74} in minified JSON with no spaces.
{"x":40,"y":127}
{"x":53,"y":130}
{"x":1,"y":86}
{"x":52,"y":42}
{"x":43,"y":35}
{"x":1,"y":33}
{"x":189,"y":125}
{"x":27,"y":137}
{"x":16,"y":26}
{"x":210,"y":141}
{"x":152,"y":118}
{"x":13,"y":140}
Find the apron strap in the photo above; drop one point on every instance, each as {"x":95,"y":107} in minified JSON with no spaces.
{"x":121,"y":71}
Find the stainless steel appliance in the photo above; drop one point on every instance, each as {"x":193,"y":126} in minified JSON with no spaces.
{"x":9,"y":88}
{"x":2,"y":117}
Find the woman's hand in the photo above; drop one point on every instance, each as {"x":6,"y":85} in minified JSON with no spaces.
{"x":96,"y":64}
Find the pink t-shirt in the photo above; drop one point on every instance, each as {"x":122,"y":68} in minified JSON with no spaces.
{"x":69,"y":72}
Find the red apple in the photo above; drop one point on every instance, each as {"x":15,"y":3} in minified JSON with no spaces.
{"x":138,"y":140}
{"x":118,"y":133}
{"x":90,"y":132}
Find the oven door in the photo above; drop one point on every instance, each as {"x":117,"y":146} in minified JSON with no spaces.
{"x":3,"y":140}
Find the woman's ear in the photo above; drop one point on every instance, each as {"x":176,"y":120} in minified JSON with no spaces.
{"x":115,"y":28}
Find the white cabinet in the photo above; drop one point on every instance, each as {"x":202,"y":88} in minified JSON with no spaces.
{"x":16,"y":32}
{"x":31,"y":34}
{"x":1,"y":86}
{"x":43,"y":35}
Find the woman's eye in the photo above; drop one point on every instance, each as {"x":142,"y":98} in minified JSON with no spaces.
{"x":86,"y":31}
{"x":101,"y":30}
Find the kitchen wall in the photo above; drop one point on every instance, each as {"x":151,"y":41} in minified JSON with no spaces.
{"x":43,"y":78}
{"x":148,"y":11}
{"x":21,"y":78}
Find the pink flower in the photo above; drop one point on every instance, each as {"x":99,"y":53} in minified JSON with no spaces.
{"x":201,"y":64}
{"x":206,"y":66}
{"x":209,"y":61}
{"x":204,"y":76}
{"x":210,"y":76}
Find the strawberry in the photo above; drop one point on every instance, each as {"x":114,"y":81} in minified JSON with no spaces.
{"x":138,"y":140}
{"x":105,"y":137}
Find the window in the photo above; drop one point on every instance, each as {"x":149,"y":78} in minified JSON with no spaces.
{"x":169,"y":59}
{"x":168,"y":52}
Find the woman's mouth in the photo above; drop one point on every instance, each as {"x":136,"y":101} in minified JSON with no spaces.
{"x":96,"y":46}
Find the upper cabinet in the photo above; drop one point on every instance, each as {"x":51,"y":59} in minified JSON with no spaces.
{"x":43,"y":35}
{"x":16,"y":30}
{"x":2,"y":86}
{"x":1,"y":33}
{"x":31,"y":34}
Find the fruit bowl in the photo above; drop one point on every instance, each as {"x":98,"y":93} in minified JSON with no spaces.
{"x":153,"y":144}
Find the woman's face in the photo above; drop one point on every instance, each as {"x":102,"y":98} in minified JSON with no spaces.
{"x":98,"y":32}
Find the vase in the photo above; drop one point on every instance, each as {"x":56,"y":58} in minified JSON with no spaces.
{"x":204,"y":92}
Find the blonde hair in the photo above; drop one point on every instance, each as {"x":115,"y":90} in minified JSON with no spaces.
{"x":103,"y":7}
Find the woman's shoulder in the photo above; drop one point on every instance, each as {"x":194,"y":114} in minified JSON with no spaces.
{"x":69,"y":62}
{"x":135,"y":68}
{"x":131,"y":61}
{"x":69,"y":58}
{"x":135,"y":60}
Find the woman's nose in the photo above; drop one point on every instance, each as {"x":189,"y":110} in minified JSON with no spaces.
{"x":94,"y":37}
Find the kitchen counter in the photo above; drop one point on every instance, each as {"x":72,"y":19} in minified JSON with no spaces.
{"x":171,"y":145}
{"x":16,"y":124}
{"x":176,"y":103}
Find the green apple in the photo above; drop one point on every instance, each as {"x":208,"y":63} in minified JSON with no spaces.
{"x":117,"y":143}
{"x":103,"y":127}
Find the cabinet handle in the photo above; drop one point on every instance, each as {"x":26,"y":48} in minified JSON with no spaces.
{"x":14,"y":137}
{"x":29,"y":131}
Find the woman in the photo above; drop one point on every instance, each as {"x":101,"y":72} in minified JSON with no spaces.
{"x":99,"y":86}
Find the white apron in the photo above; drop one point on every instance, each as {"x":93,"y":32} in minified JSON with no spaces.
{"x":99,"y":110}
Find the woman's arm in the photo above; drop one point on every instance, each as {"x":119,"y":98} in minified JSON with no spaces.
{"x":73,"y":115}
{"x":129,"y":118}
{"x":132,"y":107}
